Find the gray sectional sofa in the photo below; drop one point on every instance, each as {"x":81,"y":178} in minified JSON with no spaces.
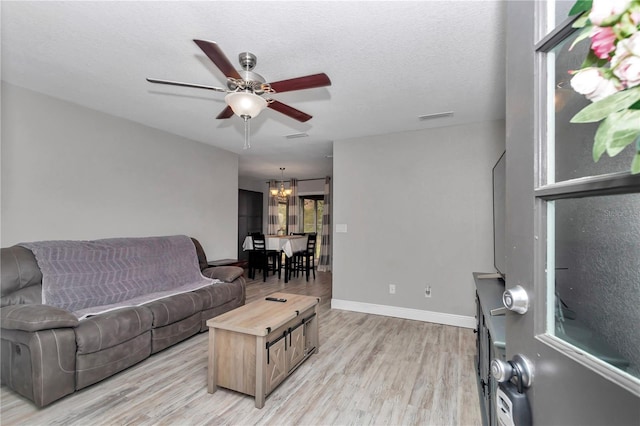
{"x":48,"y":352}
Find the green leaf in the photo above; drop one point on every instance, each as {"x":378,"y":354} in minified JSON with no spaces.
{"x":599,"y":145}
{"x":635,"y":164}
{"x":584,"y":33}
{"x":626,"y":27}
{"x":581,"y":21}
{"x":624,"y":122}
{"x":616,"y":132}
{"x":620,"y":140}
{"x":610,"y":21}
{"x":580,"y":6}
{"x":593,"y":61}
{"x":607,"y":106}
{"x":635,"y":106}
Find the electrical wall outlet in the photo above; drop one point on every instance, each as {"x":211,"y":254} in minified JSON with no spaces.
{"x":427,"y":291}
{"x":392,"y":289}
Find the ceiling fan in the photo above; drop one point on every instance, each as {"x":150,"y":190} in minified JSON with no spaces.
{"x":246,"y":89}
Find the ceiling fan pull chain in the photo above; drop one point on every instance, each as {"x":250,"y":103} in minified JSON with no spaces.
{"x":247,"y":132}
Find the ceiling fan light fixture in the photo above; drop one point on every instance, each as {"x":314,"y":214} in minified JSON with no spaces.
{"x":245,"y":104}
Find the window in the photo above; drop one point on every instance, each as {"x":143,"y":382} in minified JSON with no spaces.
{"x":283,"y":210}
{"x":593,"y":224}
{"x":312,"y":208}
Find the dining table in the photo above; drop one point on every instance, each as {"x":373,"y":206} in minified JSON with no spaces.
{"x":287,"y":244}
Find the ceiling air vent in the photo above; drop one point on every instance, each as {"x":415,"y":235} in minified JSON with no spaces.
{"x":436,"y":115}
{"x":296,"y":135}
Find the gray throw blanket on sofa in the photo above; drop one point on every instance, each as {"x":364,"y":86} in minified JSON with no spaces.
{"x":89,"y":277}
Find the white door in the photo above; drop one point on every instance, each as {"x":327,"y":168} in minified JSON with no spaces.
{"x":573,"y":235}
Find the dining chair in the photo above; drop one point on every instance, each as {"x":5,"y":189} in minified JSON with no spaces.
{"x":263,"y":259}
{"x":305,"y":260}
{"x":288,"y":261}
{"x":251,"y":262}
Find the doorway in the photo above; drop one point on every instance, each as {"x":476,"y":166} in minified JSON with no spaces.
{"x":249,"y":217}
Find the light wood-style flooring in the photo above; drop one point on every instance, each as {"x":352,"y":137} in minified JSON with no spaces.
{"x":370,"y":370}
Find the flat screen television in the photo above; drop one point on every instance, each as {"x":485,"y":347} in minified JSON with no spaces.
{"x":500,"y":214}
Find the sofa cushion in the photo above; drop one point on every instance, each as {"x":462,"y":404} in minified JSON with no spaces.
{"x":218,"y":294}
{"x":202,"y":257}
{"x":31,"y":295}
{"x":169,"y":335}
{"x":111,"y":328}
{"x":35,"y":317}
{"x":223,"y":273}
{"x":18,"y":269}
{"x":207,"y":314}
{"x":96,"y":366}
{"x":174,"y":308}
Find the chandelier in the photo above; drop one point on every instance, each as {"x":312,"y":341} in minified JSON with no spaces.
{"x":281,"y":192}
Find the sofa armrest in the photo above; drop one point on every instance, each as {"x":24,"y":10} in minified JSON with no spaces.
{"x":35,"y":317}
{"x":224,"y":273}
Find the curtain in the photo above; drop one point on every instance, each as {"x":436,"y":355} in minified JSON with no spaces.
{"x":294,"y":208}
{"x":272,"y":223}
{"x":324,"y":264}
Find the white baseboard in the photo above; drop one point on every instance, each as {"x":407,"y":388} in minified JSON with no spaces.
{"x":405,"y":313}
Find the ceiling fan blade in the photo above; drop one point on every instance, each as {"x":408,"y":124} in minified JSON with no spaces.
{"x":211,"y":49}
{"x":287,"y":110}
{"x":226,"y":113}
{"x":307,"y":82}
{"x":178,"y":83}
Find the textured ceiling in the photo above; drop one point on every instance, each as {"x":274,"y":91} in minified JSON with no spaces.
{"x":389,"y":63}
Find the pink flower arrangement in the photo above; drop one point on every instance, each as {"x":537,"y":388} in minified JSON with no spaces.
{"x":626,"y":61}
{"x":610,"y":75}
{"x":592,"y":83}
{"x":603,"y":41}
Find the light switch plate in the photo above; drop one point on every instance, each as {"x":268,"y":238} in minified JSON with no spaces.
{"x":341,"y":227}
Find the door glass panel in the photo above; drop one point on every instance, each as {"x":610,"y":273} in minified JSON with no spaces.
{"x":561,"y":10}
{"x":570,"y":145}
{"x":595,"y":262}
{"x":555,"y":13}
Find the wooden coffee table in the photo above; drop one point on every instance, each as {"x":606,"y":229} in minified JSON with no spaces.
{"x":253,"y":348}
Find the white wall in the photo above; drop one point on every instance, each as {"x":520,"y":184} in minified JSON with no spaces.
{"x":418,"y":209}
{"x":252,"y":184}
{"x":69,"y":172}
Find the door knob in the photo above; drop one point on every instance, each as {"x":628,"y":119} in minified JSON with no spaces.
{"x":519,"y":367}
{"x":516,"y":299}
{"x":511,"y":403}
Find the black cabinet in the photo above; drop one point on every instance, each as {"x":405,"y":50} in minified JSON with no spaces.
{"x":490,"y":342}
